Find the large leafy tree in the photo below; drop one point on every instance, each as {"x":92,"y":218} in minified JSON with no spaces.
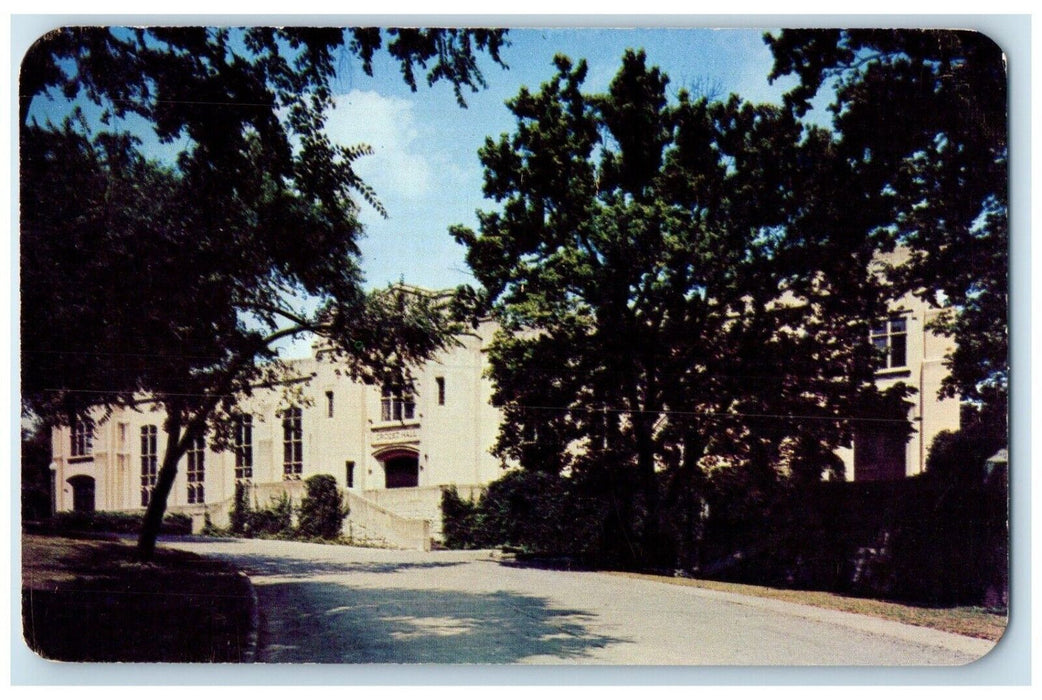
{"x":920,"y":140}
{"x":658,"y":307}
{"x":171,"y":283}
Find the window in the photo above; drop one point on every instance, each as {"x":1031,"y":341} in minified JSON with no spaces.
{"x":890,"y":339}
{"x":349,"y":467}
{"x":244,"y":448}
{"x":441,"y":390}
{"x":292,"y":444}
{"x":329,"y":404}
{"x":82,"y":438}
{"x":149,"y":457}
{"x":196,"y":470}
{"x":396,"y":404}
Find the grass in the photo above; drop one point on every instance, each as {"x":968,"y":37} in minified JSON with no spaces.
{"x":91,"y":600}
{"x":968,"y":621}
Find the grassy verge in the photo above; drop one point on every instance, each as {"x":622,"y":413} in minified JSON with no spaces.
{"x":90,"y":600}
{"x":969,"y":621}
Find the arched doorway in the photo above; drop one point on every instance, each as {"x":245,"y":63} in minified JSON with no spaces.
{"x":82,"y":493}
{"x":401,"y":468}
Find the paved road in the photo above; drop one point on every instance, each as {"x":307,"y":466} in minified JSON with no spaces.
{"x":321,"y":603}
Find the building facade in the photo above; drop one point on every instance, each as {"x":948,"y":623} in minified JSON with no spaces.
{"x":392,"y":452}
{"x":911,"y":353}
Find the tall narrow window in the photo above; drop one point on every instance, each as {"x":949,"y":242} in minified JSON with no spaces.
{"x":396,"y":404}
{"x":292,"y":444}
{"x":149,"y":459}
{"x":244,"y":448}
{"x":196,"y":470}
{"x":329,"y":404}
{"x":890,"y":339}
{"x":349,"y":468}
{"x":82,"y":438}
{"x":441,"y":390}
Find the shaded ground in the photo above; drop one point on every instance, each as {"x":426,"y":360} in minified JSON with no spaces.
{"x":89,"y":600}
{"x":330,"y":622}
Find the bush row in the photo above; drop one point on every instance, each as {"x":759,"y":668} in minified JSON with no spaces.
{"x":121,"y":523}
{"x":320,"y":515}
{"x":534,"y":514}
{"x":930,"y":539}
{"x":917,"y":539}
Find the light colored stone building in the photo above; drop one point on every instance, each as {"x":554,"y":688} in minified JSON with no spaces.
{"x":392,"y":452}
{"x":913,"y":354}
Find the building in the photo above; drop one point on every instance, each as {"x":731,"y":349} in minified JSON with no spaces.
{"x":910,"y":353}
{"x":392,"y":452}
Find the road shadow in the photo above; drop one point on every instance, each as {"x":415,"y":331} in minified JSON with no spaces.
{"x":300,"y":568}
{"x":334,"y":623}
{"x":546,"y":563}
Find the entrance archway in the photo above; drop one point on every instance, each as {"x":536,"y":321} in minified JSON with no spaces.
{"x":401,"y":468}
{"x":82,"y":493}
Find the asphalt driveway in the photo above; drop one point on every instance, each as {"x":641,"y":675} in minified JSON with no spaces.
{"x":322,"y":603}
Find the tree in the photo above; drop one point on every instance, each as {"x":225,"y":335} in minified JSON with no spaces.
{"x":657,"y":306}
{"x":322,"y":511}
{"x":920,"y":123}
{"x":36,"y":473}
{"x":131,"y":296}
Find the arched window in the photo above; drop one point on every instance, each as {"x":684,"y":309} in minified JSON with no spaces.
{"x":82,"y":436}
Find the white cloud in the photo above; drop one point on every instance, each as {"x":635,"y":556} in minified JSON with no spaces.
{"x":397,"y":168}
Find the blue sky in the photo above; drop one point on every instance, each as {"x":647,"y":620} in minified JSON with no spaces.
{"x":425,"y":168}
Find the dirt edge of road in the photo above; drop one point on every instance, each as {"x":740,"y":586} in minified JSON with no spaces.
{"x":966,"y":621}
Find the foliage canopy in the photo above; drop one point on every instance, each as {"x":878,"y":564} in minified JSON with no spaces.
{"x":665,"y":294}
{"x":170,"y":283}
{"x":920,"y":122}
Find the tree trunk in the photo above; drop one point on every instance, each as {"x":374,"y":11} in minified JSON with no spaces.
{"x":177,"y":443}
{"x":651,"y":539}
{"x":692,"y":494}
{"x":175,"y":449}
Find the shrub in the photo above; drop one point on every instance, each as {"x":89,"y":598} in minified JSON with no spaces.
{"x":209,"y":529}
{"x":523,"y":509}
{"x":122,"y":523}
{"x":959,"y":457}
{"x":240,"y":512}
{"x":322,"y":510}
{"x":458,"y":520}
{"x":276,"y":519}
